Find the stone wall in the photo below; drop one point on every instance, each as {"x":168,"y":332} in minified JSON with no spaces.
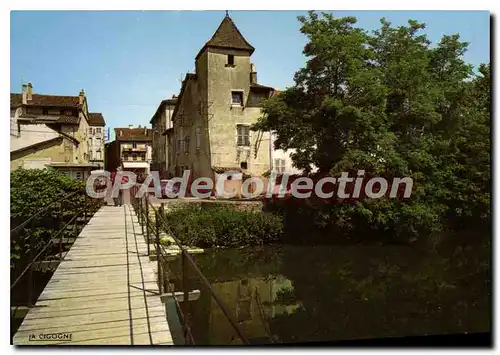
{"x":221,"y":81}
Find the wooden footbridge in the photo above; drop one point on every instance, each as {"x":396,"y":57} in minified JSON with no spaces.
{"x":112,"y":287}
{"x":104,"y":291}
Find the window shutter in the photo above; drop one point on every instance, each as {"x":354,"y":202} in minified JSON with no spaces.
{"x":240,"y":135}
{"x":247,"y":135}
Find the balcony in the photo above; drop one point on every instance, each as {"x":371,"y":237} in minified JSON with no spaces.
{"x":138,"y":148}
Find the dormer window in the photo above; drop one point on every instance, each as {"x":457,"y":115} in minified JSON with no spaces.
{"x":230,"y":60}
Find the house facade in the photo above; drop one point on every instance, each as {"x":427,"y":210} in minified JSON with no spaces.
{"x":131,"y":150}
{"x":161,"y":122}
{"x":50,"y":131}
{"x":96,"y":138}
{"x":215,"y":109}
{"x":281,"y":161}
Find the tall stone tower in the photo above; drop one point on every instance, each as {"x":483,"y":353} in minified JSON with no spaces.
{"x":229,"y":99}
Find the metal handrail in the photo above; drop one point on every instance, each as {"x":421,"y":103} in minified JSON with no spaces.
{"x":51,"y":240}
{"x":185,"y":256}
{"x":162,"y":275}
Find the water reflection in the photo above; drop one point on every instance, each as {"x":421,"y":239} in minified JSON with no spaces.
{"x":298,"y":294}
{"x":254,"y":303}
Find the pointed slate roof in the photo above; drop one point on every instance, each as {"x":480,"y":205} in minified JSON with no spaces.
{"x":228,"y":36}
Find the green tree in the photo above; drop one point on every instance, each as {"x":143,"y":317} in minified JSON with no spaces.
{"x":31,"y":190}
{"x":390,"y":104}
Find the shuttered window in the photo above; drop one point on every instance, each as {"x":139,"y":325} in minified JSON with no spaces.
{"x":243,"y":132}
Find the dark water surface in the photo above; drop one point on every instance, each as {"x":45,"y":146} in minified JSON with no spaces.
{"x":324,"y":293}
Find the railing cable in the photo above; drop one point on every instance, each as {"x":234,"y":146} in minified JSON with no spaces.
{"x":200,"y":275}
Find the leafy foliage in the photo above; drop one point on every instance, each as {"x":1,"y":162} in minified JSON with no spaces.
{"x":223,"y":226}
{"x":388,"y":103}
{"x":32,"y":190}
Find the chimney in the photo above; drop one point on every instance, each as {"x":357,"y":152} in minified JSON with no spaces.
{"x":25,"y":94}
{"x":253,"y":74}
{"x":29,"y":92}
{"x":82,"y":97}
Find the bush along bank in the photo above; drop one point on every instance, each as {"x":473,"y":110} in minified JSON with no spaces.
{"x":32,"y":190}
{"x":223,"y":226}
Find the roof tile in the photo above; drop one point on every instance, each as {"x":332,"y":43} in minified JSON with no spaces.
{"x":96,"y":119}
{"x":69,"y":119}
{"x":228,"y":36}
{"x":46,"y":100}
{"x":133,"y":134}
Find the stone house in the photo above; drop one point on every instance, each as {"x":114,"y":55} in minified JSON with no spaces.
{"x":161,"y":122}
{"x":215,"y":108}
{"x":281,"y":162}
{"x":130,"y":150}
{"x":49,"y":130}
{"x":96,"y":138}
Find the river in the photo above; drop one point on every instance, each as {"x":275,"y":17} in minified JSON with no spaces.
{"x":283,"y":294}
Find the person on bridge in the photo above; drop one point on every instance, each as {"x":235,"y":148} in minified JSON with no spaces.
{"x":121,"y":192}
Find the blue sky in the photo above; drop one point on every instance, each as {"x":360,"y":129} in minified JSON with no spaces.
{"x":128,"y":61}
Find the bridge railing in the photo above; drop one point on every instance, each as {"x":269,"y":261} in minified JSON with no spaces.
{"x":180,"y":288}
{"x":59,"y":220}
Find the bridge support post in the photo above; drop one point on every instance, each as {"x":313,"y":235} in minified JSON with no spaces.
{"x":141,"y":219}
{"x":157,"y":244}
{"x":30,"y":271}
{"x":165,"y":286}
{"x":148,"y":227}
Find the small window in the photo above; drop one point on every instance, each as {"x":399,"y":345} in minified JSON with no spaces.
{"x":78,"y":175}
{"x":244,"y":165}
{"x":237,"y":98}
{"x":230,"y":60}
{"x":90,"y":130}
{"x":243,"y":132}
{"x":135,"y":156}
{"x":279,"y":165}
{"x":98,"y":130}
